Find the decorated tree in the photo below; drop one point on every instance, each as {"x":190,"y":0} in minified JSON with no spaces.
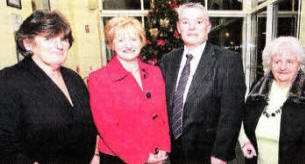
{"x":161,"y":32}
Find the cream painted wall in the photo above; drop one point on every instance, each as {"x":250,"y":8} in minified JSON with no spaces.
{"x":85,"y":53}
{"x":7,"y":43}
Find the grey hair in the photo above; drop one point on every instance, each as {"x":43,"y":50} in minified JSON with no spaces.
{"x":194,"y":5}
{"x":280,"y":46}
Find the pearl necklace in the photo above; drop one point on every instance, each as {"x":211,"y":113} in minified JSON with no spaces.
{"x":272,"y":114}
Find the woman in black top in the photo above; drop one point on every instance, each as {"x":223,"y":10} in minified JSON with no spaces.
{"x":44,"y":108}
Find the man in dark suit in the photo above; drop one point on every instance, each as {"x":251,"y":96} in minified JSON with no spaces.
{"x":205,"y":89}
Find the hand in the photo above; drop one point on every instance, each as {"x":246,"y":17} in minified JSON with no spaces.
{"x":248,"y":150}
{"x":158,"y":158}
{"x":215,"y":160}
{"x":95,"y":160}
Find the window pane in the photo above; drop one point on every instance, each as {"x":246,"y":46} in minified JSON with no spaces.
{"x":224,"y":4}
{"x":285,"y":5}
{"x":287,"y":21}
{"x":227,"y":33}
{"x":296,"y":4}
{"x":261,"y":20}
{"x":147,"y":4}
{"x":121,"y":4}
{"x":260,"y":44}
{"x":108,"y":52}
{"x":287,"y":26}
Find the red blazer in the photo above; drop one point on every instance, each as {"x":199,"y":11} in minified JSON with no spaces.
{"x":132,"y":123}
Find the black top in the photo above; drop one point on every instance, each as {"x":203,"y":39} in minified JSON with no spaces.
{"x":37,"y":122}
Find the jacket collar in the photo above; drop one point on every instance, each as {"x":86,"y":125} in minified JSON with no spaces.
{"x":118,"y":72}
{"x":296,"y":93}
{"x":28,"y":64}
{"x":46,"y":82}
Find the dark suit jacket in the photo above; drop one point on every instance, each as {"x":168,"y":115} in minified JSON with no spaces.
{"x":212,"y":110}
{"x":37,"y":122}
{"x":292,"y":130}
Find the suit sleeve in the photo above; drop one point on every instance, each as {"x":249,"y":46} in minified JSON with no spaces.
{"x":108,"y":124}
{"x":11,"y":148}
{"x":162,"y":66}
{"x":232,"y":91}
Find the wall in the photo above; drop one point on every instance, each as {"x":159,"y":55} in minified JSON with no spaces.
{"x":85,"y":53}
{"x":7,"y":43}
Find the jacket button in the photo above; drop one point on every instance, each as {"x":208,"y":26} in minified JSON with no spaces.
{"x":148,"y":95}
{"x":156,"y":150}
{"x":154,"y":116}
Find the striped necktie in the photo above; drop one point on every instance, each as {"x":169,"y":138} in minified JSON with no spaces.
{"x":177,"y":115}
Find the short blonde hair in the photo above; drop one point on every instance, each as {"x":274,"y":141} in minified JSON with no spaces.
{"x":282,"y":45}
{"x":123,"y":23}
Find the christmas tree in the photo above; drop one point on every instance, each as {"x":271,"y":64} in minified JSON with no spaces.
{"x":161,"y":32}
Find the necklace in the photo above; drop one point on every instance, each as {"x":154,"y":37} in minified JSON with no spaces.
{"x":272,"y":114}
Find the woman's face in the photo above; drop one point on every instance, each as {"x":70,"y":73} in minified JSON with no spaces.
{"x":284,"y":67}
{"x":51,"y":51}
{"x":127,"y":45}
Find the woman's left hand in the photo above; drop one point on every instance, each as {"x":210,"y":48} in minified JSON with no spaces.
{"x":162,"y":155}
{"x":248,"y":150}
{"x":215,"y":160}
{"x":158,"y":158}
{"x":95,"y":160}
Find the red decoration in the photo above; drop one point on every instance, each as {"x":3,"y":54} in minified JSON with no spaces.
{"x":148,"y":41}
{"x":87,"y":30}
{"x":152,"y":61}
{"x":176,"y":34}
{"x":174,"y":5}
{"x":160,"y":42}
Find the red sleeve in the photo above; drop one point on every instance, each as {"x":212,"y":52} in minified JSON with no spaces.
{"x":165,"y":142}
{"x":105,"y":118}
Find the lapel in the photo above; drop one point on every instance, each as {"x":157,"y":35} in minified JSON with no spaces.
{"x":260,"y":91}
{"x":173,"y":71}
{"x":296,"y":93}
{"x":297,"y":90}
{"x":258,"y":96}
{"x":205,"y":65}
{"x":44,"y":81}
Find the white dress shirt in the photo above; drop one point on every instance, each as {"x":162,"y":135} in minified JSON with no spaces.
{"x":197,"y":53}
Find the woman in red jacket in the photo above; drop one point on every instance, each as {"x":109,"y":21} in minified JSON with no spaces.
{"x":127,"y":99}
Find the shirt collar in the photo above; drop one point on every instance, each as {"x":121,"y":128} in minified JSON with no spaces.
{"x":196,"y":52}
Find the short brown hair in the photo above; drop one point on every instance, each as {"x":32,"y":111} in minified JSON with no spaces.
{"x":122,"y":22}
{"x":39,"y":22}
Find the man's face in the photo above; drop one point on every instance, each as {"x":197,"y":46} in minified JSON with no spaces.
{"x":193,"y":27}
